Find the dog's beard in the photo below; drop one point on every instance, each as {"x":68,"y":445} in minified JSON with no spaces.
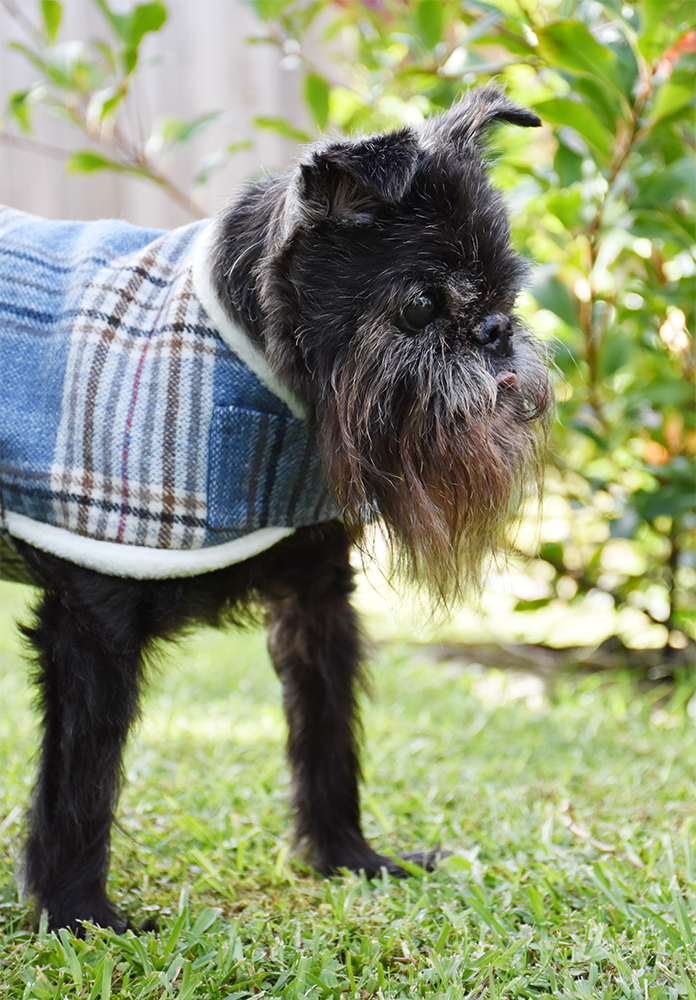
{"x":422,"y":437}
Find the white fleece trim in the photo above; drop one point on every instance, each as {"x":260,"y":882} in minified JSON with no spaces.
{"x":234,"y":336}
{"x":139,"y":561}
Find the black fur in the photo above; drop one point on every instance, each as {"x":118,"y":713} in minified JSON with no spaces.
{"x":434,"y":427}
{"x":91,"y":635}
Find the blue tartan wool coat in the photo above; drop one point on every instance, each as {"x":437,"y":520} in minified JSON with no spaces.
{"x":142,"y":433}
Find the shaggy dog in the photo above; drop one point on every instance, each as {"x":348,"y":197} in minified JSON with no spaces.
{"x":200,"y":423}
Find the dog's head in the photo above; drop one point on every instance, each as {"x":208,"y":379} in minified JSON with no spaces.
{"x":382,"y":290}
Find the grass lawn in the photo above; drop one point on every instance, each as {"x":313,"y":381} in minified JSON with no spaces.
{"x":570,"y":821}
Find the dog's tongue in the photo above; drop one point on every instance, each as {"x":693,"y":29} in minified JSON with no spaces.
{"x":505,"y":378}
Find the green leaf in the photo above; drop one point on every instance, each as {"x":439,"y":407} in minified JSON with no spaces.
{"x":568,"y":165}
{"x":18,"y":107}
{"x":118,"y":22}
{"x":484,"y":24}
{"x":145,"y":17}
{"x":430,"y":18}
{"x":627,"y":65}
{"x":469,"y":61}
{"x":316,"y":93}
{"x":267,"y":10}
{"x":662,"y":23}
{"x":130,"y":28}
{"x":669,"y":501}
{"x":664,"y":186}
{"x":532,"y":605}
{"x":86,"y":161}
{"x":129,"y":59}
{"x":569,"y":45}
{"x":566,"y":206}
{"x":170,"y":131}
{"x":617,"y":352}
{"x":107,"y":54}
{"x":684,"y":70}
{"x":670,"y":99}
{"x":283,"y":127}
{"x":563,"y":111}
{"x":68,"y":68}
{"x":603,"y":101}
{"x":52,"y":12}
{"x":216,"y":161}
{"x":103,"y":102}
{"x":681,"y":472}
{"x":554,"y":296}
{"x":552,"y":552}
{"x":54,"y":75}
{"x":667,"y":391}
{"x":658,"y":225}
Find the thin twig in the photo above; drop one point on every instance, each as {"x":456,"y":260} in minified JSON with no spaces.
{"x":120,"y":147}
{"x":583,"y":834}
{"x":15,"y":12}
{"x":33,"y":146}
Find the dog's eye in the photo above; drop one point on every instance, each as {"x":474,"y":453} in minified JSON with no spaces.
{"x":419,"y":312}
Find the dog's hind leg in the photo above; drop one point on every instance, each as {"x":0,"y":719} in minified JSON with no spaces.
{"x":88,"y":656}
{"x":315,"y":649}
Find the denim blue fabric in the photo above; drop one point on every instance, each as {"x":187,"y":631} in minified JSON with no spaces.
{"x":124,"y":415}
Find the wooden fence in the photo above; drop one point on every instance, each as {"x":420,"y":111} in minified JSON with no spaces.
{"x":201,"y":62}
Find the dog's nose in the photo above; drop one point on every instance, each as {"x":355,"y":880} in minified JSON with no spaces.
{"x":494,"y":333}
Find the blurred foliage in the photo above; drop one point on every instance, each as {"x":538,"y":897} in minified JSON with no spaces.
{"x":91,"y":86}
{"x":603,"y":201}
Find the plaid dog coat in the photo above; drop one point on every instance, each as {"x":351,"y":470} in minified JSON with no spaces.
{"x":142,"y":433}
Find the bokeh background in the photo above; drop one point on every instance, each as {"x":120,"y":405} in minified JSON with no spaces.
{"x":156,"y":112}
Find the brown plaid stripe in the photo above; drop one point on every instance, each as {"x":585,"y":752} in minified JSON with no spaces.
{"x":129,"y":456}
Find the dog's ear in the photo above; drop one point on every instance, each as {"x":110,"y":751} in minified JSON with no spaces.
{"x":468,"y":120}
{"x":345,"y":178}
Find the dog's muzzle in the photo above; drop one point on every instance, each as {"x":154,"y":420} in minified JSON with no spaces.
{"x":494,"y":334}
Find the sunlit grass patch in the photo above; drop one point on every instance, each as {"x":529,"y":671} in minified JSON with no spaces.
{"x":569,"y":820}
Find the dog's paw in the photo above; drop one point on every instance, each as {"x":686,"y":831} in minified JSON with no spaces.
{"x":75,"y":916}
{"x":427,"y":860}
{"x":373,"y":864}
{"x":150,"y":926}
{"x":407,"y":865}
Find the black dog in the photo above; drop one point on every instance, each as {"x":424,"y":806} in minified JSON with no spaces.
{"x":371,"y":294}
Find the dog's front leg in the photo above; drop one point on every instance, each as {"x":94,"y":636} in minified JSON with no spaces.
{"x":315,"y":649}
{"x":88,"y":660}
